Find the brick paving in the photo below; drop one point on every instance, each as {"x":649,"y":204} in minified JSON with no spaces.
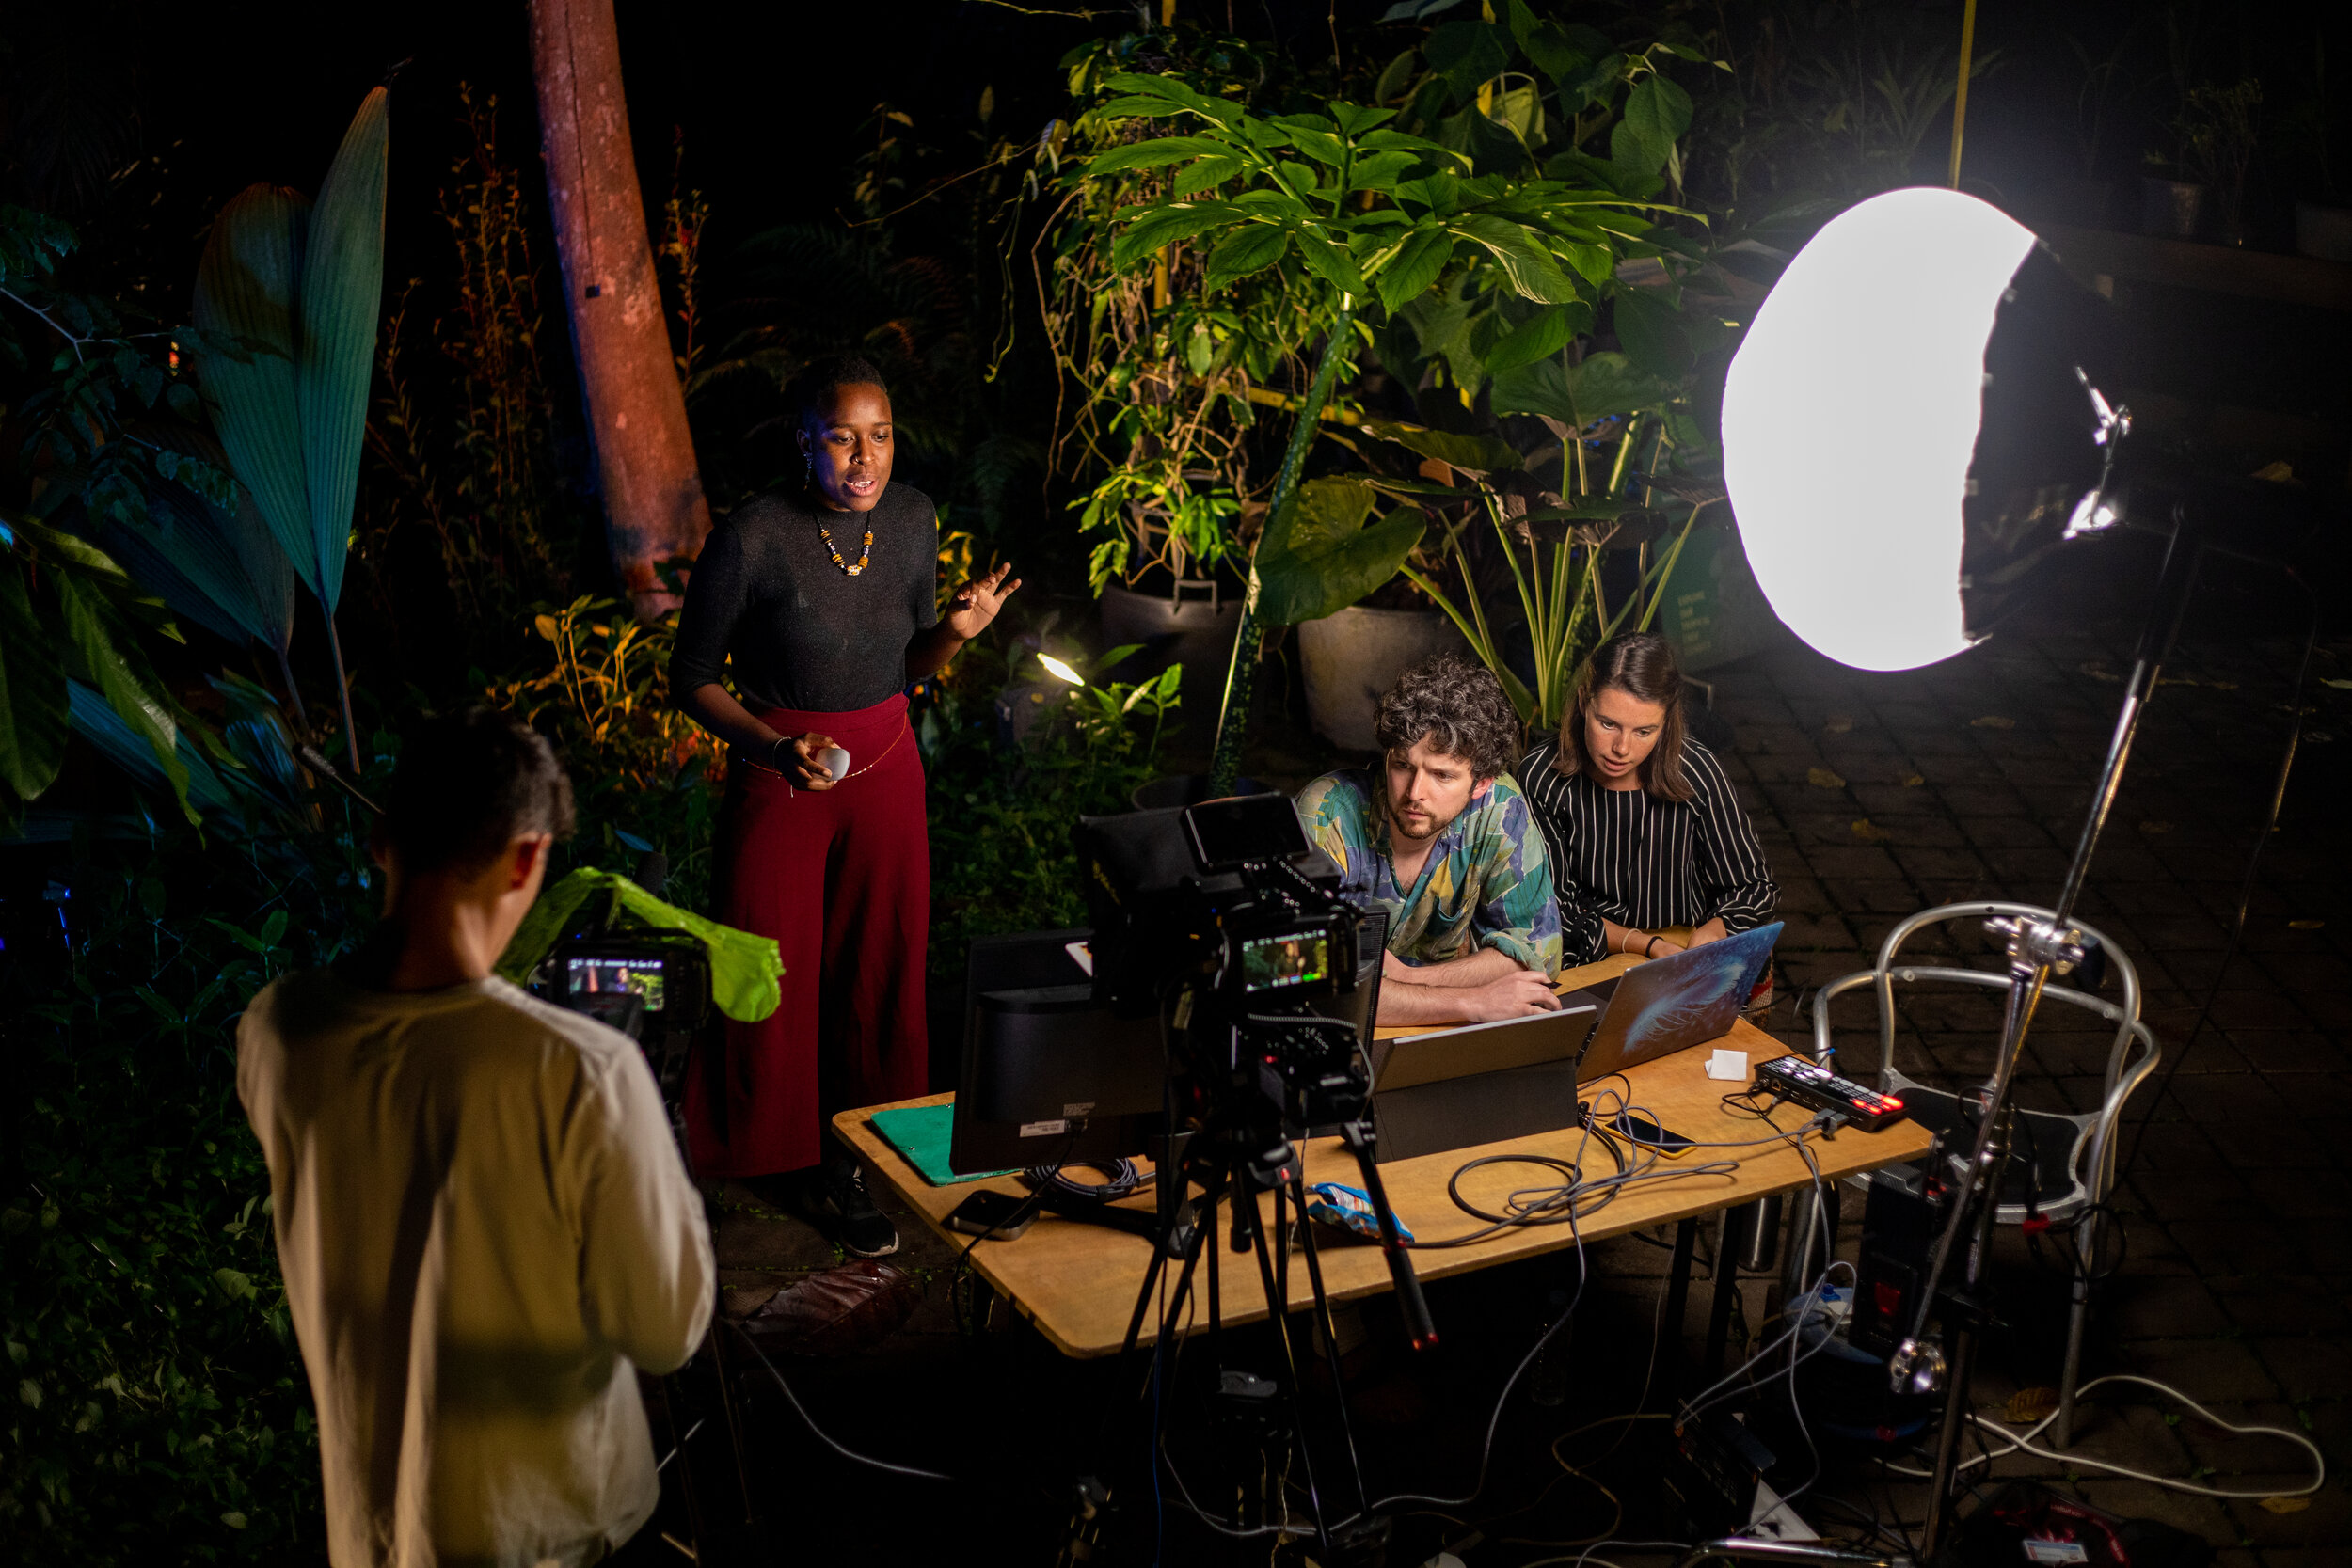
{"x":1877,"y":796}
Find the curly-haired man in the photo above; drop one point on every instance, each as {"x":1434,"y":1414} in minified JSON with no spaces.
{"x":1442,"y":838}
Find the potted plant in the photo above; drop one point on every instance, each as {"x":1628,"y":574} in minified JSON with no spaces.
{"x":1487,"y":238}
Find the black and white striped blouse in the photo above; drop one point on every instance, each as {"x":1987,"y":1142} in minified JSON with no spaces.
{"x":1627,"y":856}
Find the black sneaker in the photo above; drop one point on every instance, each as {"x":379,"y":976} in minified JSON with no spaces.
{"x":862,"y":1230}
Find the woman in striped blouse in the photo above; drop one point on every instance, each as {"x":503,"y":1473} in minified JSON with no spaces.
{"x":1645,"y":831}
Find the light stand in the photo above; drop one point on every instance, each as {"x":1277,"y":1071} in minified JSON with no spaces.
{"x":2050,"y":944}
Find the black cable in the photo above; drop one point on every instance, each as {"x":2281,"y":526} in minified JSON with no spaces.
{"x":2246,"y":888}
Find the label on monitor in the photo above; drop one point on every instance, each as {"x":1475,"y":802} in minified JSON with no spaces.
{"x":2056,"y":1551}
{"x":1044,"y":1129}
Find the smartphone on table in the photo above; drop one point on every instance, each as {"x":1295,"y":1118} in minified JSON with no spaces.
{"x":990,"y":1214}
{"x":1640,"y":1132}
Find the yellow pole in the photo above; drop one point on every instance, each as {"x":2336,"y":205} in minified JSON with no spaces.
{"x":1959,"y":94}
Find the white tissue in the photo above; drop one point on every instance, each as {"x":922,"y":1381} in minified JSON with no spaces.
{"x":1729,"y":1065}
{"x":835,"y":761}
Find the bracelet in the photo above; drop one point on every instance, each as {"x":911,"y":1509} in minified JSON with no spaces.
{"x":781,"y":740}
{"x":1649,"y":948}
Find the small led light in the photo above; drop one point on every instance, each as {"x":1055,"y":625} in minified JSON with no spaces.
{"x":1056,"y":668}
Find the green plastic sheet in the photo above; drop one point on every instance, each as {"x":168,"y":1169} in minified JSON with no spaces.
{"x":746,"y":972}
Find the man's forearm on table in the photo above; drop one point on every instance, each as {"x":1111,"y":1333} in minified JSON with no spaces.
{"x":1475,"y":969}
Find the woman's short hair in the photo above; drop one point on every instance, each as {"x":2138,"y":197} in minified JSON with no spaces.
{"x":810,"y":390}
{"x":1642,"y":665}
{"x":466,"y":785}
{"x":1458,"y":707}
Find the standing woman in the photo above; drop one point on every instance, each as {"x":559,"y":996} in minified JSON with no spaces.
{"x":1646,"y":832}
{"x":821,"y":601}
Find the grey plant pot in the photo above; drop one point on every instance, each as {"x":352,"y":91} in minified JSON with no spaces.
{"x":1193,"y":628}
{"x":1352,"y":658}
{"x":2170,"y":209}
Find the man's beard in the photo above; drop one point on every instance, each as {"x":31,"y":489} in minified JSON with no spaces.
{"x":1437,"y":828}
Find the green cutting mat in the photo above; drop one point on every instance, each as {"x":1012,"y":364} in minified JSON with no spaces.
{"x":921,"y":1132}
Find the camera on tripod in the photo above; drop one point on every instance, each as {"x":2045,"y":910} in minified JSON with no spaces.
{"x":1223,"y":919}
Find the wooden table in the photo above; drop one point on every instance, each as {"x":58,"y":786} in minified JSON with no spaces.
{"x":1077,"y":1282}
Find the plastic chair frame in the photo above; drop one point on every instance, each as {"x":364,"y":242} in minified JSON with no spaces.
{"x":2092,"y":1159}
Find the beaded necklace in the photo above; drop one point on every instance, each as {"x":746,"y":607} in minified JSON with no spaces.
{"x":864,"y":555}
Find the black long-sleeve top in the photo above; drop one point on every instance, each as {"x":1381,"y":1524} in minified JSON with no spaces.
{"x":1627,"y":856}
{"x":799,"y":632}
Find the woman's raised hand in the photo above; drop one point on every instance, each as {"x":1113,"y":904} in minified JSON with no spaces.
{"x":977,"y":602}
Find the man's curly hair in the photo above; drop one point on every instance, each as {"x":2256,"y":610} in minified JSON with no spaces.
{"x":1458,"y":707}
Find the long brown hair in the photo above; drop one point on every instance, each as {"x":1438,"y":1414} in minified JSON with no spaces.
{"x":1642,"y":667}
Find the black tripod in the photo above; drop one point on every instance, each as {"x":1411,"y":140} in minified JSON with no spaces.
{"x":1233,"y":1159}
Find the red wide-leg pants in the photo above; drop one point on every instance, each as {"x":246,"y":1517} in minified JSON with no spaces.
{"x":841,"y":878}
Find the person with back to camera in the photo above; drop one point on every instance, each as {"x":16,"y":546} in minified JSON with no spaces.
{"x":484,"y":1227}
{"x":1646,"y":834}
{"x":1439,"y":836}
{"x":820,"y":598}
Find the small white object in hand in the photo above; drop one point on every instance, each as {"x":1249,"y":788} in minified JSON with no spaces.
{"x":1731,"y":1067}
{"x":835,"y":760}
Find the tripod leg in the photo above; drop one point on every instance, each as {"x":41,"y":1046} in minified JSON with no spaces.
{"x":1332,"y":1348}
{"x":1278,"y":1309}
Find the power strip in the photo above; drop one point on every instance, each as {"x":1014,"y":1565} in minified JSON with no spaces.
{"x":1817,"y":1089}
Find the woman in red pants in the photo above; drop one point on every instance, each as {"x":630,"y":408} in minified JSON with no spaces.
{"x":821,"y":602}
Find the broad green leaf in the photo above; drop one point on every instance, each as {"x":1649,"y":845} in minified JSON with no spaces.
{"x":1476,"y":456}
{"x":1357,"y":119}
{"x":343,"y":298}
{"x":1156,"y":154}
{"x":220,"y":566}
{"x":122,"y":680}
{"x":1380,"y":170}
{"x":1170,"y":224}
{"x":1415,"y":267}
{"x":33,"y":714}
{"x":196,"y":783}
{"x":1253,"y":247}
{"x":1206,"y":174}
{"x":1173,"y":91}
{"x":246,"y":290}
{"x":1330,"y":261}
{"x":1529,"y":266}
{"x":1596,"y":83}
{"x":1576,"y":395}
{"x":1320,"y":557}
{"x":1467,"y":54}
{"x":1439,"y":192}
{"x":1653,"y":332}
{"x":1660,"y":109}
{"x":1312,"y":134}
{"x":1545,"y":333}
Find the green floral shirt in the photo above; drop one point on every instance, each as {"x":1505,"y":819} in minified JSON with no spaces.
{"x":1486,"y":883}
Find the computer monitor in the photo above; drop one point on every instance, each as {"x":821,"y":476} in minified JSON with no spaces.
{"x":1040,"y":1053}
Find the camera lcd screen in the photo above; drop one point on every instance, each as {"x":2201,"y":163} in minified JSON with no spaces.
{"x":1269,"y":963}
{"x":1249,"y":828}
{"x":594,"y":976}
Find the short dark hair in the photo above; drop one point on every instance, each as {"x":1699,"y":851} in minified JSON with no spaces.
{"x":1642,"y":665}
{"x":1458,"y":707}
{"x":466,"y":785}
{"x":812,"y":386}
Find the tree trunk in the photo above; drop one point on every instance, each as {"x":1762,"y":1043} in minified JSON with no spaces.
{"x":653,"y":493}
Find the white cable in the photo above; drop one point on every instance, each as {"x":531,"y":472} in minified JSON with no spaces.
{"x":2024,"y":1444}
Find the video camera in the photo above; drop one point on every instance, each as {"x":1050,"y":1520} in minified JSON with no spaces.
{"x":1222,"y":917}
